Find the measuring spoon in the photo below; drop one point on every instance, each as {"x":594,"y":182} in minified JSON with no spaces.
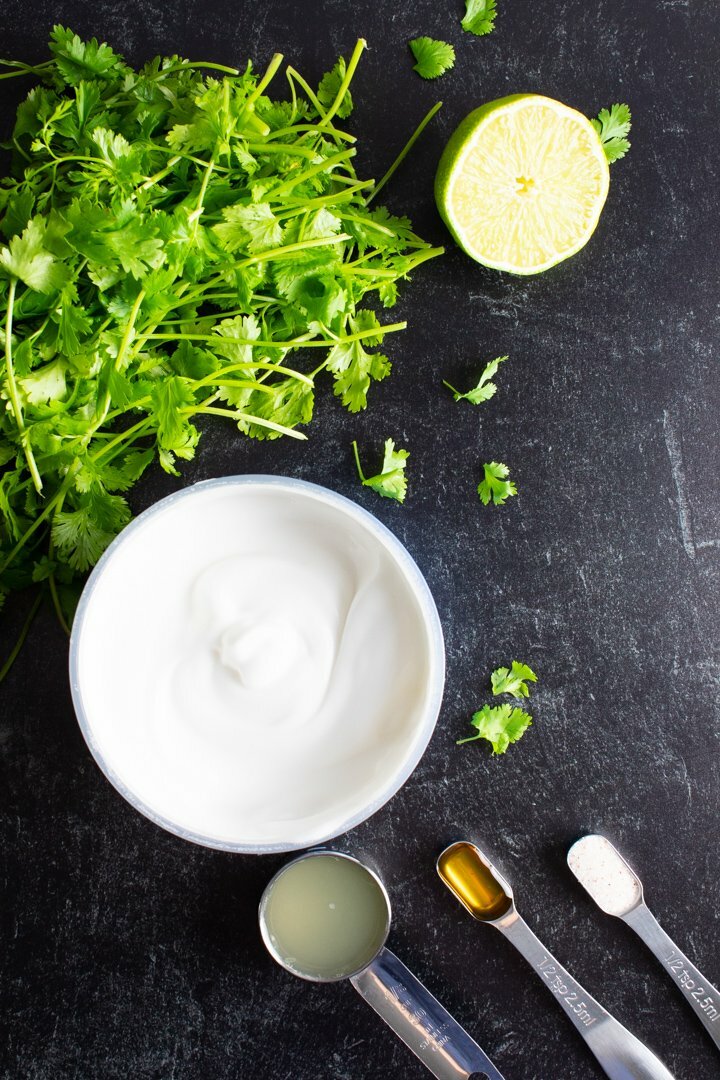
{"x":325,"y":916}
{"x":479,"y":887}
{"x":617,"y":890}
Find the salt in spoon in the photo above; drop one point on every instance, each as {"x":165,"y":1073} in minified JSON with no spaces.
{"x":617,"y":890}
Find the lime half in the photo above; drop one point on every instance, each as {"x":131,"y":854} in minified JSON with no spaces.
{"x":522,"y":182}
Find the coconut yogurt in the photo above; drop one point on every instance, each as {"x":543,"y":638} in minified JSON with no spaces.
{"x":257,"y":664}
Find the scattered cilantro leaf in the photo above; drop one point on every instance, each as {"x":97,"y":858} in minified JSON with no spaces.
{"x":432,"y":58}
{"x":391,"y":481}
{"x":513,"y":680}
{"x":484,"y":389}
{"x":496,"y":486}
{"x":479,"y":18}
{"x":500,"y":725}
{"x":613,"y":126}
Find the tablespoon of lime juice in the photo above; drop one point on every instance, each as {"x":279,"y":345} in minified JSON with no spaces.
{"x":325,"y":917}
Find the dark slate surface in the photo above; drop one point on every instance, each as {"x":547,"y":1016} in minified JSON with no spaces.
{"x":129,"y":953}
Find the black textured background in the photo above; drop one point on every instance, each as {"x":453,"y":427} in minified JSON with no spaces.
{"x":129,"y":953}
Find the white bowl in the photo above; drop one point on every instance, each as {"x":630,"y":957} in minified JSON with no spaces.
{"x":115,"y":684}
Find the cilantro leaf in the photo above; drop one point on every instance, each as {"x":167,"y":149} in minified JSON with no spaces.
{"x":479,"y":18}
{"x":81,"y":535}
{"x":500,"y":725}
{"x":330,"y":86}
{"x":496,"y":486}
{"x":252,"y":227}
{"x":28,"y":259}
{"x":433,"y":58}
{"x":77,"y":60}
{"x":353,"y":366}
{"x":45,"y":383}
{"x":484,"y":389}
{"x":391,"y":481}
{"x":513,"y":680}
{"x":613,"y":126}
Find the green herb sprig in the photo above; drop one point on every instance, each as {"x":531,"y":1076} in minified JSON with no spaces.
{"x":495,"y":486}
{"x":613,"y":126}
{"x":391,"y":481}
{"x":485,"y":389}
{"x":500,"y":725}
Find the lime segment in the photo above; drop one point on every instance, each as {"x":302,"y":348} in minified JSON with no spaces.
{"x":522,"y":182}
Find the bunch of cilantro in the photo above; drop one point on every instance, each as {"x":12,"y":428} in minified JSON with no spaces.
{"x":178,"y":244}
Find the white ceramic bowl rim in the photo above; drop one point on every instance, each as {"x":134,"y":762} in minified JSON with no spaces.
{"x":414,"y":578}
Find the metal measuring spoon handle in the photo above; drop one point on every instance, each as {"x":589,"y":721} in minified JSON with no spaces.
{"x":619,"y":1052}
{"x":419,"y":1019}
{"x":700,"y":994}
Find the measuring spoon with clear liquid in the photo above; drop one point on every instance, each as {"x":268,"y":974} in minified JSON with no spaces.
{"x":480,"y":888}
{"x":325,"y":917}
{"x":617,"y":890}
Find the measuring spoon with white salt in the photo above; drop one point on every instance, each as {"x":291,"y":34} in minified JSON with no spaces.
{"x":617,"y":890}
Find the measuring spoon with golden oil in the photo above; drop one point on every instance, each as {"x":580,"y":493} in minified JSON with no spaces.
{"x":480,"y":888}
{"x":325,"y":916}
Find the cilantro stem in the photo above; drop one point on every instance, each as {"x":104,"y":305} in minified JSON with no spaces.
{"x":213,"y":377}
{"x":294,"y":343}
{"x":23,"y":633}
{"x":325,"y":166}
{"x":360,"y":46}
{"x":275,"y":62}
{"x":194,"y":217}
{"x":323,"y":200}
{"x":250,"y":419}
{"x":289,"y":250}
{"x":13,"y":392}
{"x":122,"y":437}
{"x":413,"y":261}
{"x":152,"y":180}
{"x":293,"y":76}
{"x":56,"y":598}
{"x":404,"y":152}
{"x":119,"y":359}
{"x":345,"y":136}
{"x":25,"y":69}
{"x":282,"y":148}
{"x":361,"y":474}
{"x":200,"y":64}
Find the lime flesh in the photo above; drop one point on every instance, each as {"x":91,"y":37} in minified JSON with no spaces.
{"x":522,"y":182}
